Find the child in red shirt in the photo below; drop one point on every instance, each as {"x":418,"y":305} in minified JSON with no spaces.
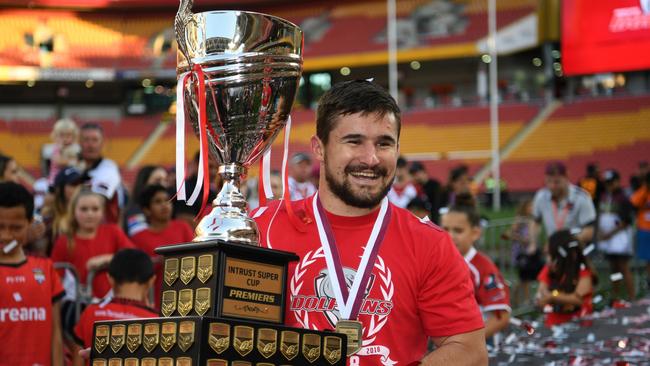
{"x":89,"y":245}
{"x":162,"y":230}
{"x":30,"y":290}
{"x":131,"y":276}
{"x":566,"y":281}
{"x":462,"y":222}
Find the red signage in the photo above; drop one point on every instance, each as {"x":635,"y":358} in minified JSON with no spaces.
{"x":605,"y":36}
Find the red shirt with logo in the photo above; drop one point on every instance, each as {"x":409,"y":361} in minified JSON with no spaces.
{"x":587,"y":307}
{"x":492,"y":294}
{"x":108,"y":240}
{"x":419,"y":286}
{"x":116,"y":309}
{"x":27,"y":292}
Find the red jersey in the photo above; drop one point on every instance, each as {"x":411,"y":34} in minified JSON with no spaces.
{"x":492,"y":294}
{"x":559,"y":318}
{"x":27,"y":292}
{"x":176,"y":232}
{"x":641,"y":200}
{"x":117,"y":309}
{"x":419,"y":285}
{"x":108,"y":240}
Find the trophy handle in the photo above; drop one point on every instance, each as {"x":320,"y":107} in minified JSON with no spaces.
{"x":183,"y":16}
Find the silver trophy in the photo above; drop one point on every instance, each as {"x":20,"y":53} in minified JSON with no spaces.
{"x":252,"y":64}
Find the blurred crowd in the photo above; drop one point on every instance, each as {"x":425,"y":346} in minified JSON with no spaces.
{"x":101,"y":235}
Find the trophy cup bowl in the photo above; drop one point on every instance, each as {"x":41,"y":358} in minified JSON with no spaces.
{"x":252,"y":64}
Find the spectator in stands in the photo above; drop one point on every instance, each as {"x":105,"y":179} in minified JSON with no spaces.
{"x":459,"y":182}
{"x":88,"y":244}
{"x":419,"y":207}
{"x":615,"y":218}
{"x":402,"y":191}
{"x":8,"y":169}
{"x":66,"y":184}
{"x":562,"y":205}
{"x":592,"y":183}
{"x":102,"y":173}
{"x":65,"y":149}
{"x":191,"y":214}
{"x":161,"y":229}
{"x":276,"y":184}
{"x":641,"y":201}
{"x":34,"y":337}
{"x":131,"y":276}
{"x":526,"y":256}
{"x":636,"y":180}
{"x":428,"y":189}
{"x":566,"y":282}
{"x":462,"y":222}
{"x":134,"y":219}
{"x":300,"y":185}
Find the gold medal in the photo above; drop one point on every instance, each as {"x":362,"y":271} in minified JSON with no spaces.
{"x":188,"y":269}
{"x":243,"y":342}
{"x":289,"y":344}
{"x":205,"y":268}
{"x":185,"y":301}
{"x":151,"y":336}
{"x":311,"y":346}
{"x":202,"y":301}
{"x":185,"y":335}
{"x":219,"y":337}
{"x":168,"y":336}
{"x":171,"y":271}
{"x":267,"y":341}
{"x":118,"y":336}
{"x":133,"y":336}
{"x":101,"y":337}
{"x":332,"y":351}
{"x":168,"y":305}
{"x":353,"y":329}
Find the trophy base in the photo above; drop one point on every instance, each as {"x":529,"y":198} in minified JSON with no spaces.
{"x":209,"y":341}
{"x":226,"y":280}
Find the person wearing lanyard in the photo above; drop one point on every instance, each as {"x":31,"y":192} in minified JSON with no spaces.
{"x":562,"y":205}
{"x":367,"y":268}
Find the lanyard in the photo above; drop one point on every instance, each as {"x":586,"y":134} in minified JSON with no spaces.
{"x":560,"y":219}
{"x":350,"y":303}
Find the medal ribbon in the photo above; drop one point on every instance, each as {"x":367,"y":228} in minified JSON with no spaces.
{"x":349,"y":303}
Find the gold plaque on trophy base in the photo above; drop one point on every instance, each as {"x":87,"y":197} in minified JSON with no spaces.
{"x":267,"y":341}
{"x":168,"y":336}
{"x":151,"y":336}
{"x":170,"y":274}
{"x":186,"y":330}
{"x":101,"y":337}
{"x":168,"y":303}
{"x":204,"y":271}
{"x":133,"y":336}
{"x":219,"y":337}
{"x":118,"y":336}
{"x":188,"y":269}
{"x":311,"y":347}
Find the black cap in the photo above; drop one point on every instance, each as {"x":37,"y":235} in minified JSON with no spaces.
{"x":555,"y":168}
{"x":611,"y":175}
{"x":300,"y":157}
{"x":68,"y":176}
{"x":416,"y":166}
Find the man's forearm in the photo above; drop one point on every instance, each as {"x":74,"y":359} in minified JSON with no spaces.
{"x":586,"y":235}
{"x":457,"y":353}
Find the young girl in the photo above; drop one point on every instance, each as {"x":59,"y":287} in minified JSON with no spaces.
{"x":66,"y":149}
{"x":88,"y":244}
{"x":526,"y":257}
{"x":566,"y":282}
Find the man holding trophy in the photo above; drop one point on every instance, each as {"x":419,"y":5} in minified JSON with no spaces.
{"x":367,"y":268}
{"x":381,"y":279}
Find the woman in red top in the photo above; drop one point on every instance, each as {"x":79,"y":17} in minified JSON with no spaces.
{"x":89,"y":244}
{"x":566,"y":282}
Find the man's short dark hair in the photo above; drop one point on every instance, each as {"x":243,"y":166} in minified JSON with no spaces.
{"x":146,"y":196}
{"x":15,"y":195}
{"x":351,"y":97}
{"x":401,"y":162}
{"x":130,"y":266}
{"x":92,"y":126}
